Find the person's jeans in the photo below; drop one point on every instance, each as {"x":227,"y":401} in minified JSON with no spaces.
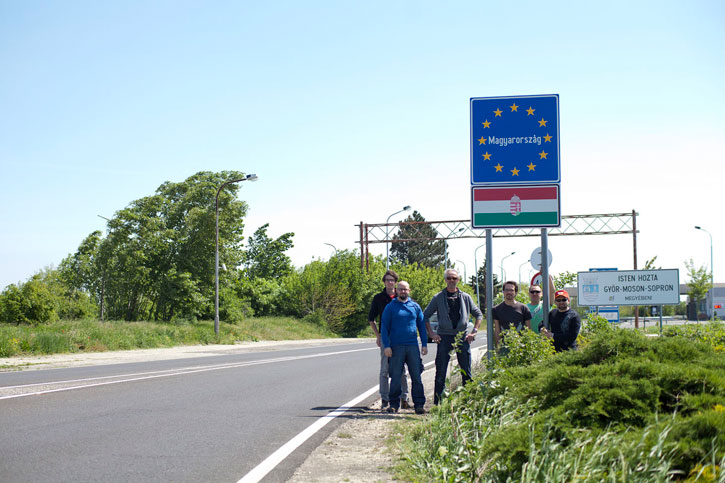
{"x":407,"y":355}
{"x":385,"y":379}
{"x":443,"y":356}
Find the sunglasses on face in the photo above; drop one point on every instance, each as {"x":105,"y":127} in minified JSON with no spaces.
{"x":534,"y":291}
{"x":561,"y":300}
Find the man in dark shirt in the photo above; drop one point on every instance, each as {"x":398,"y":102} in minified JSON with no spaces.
{"x":510,"y":313}
{"x":565,"y":323}
{"x":377,"y":306}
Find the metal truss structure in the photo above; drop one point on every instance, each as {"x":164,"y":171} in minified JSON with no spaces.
{"x":571,"y":225}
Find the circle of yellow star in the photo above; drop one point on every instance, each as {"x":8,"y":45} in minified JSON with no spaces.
{"x":514,"y":172}
{"x":482,"y":140}
{"x":531,"y":166}
{"x":486,"y":123}
{"x":486,"y":156}
{"x":514,"y":107}
{"x":542,"y":154}
{"x":499,"y":168}
{"x":498,"y":112}
{"x":530,"y":110}
{"x":542,"y":123}
{"x":547,"y":138}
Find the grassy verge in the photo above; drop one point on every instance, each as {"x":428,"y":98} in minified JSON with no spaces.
{"x":623,"y":408}
{"x":96,"y":336}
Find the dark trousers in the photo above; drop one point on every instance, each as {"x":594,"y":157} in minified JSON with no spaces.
{"x":443,"y":356}
{"x":410,"y":356}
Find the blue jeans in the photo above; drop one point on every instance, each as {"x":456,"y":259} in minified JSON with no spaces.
{"x":408,"y":355}
{"x":443,"y":356}
{"x":385,"y":379}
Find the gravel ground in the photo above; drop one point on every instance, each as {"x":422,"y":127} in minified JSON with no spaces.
{"x":360,"y":449}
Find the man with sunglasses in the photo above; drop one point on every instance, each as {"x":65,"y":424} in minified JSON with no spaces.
{"x":536,"y":307}
{"x":380,"y":301}
{"x":453,"y":308}
{"x":564,"y":323}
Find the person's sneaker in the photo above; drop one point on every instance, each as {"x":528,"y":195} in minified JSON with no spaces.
{"x":404,"y":404}
{"x":419,"y":411}
{"x":384,"y":404}
{"x":392,"y":410}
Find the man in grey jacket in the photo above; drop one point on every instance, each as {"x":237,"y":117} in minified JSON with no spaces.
{"x":453,"y":308}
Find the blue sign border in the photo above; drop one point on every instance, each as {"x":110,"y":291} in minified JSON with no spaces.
{"x":518,"y":139}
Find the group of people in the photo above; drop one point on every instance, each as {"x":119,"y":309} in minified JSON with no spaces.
{"x":403,"y":322}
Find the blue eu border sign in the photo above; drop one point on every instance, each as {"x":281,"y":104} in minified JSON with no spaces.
{"x":515,"y":140}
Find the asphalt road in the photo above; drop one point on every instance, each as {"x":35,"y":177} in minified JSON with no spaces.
{"x":192,"y":419}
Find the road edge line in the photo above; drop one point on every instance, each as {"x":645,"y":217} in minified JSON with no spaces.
{"x":271,"y":462}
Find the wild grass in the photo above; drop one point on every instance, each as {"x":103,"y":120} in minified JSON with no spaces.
{"x":96,"y":336}
{"x":623,"y":408}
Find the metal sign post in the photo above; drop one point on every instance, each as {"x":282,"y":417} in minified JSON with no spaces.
{"x":545,"y":275}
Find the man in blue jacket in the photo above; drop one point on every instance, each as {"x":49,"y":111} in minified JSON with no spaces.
{"x":400,"y":326}
{"x":453,"y":308}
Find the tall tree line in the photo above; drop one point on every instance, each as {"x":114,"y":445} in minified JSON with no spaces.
{"x":156,"y":262}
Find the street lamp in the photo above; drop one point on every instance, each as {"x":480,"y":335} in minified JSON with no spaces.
{"x":387,"y":242}
{"x":712,"y":277}
{"x":503,"y":279}
{"x":527,"y":261}
{"x":475,"y":267}
{"x":333,"y":247}
{"x":464,"y":270}
{"x":249,"y":177}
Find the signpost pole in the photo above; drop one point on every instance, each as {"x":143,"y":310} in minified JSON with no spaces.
{"x":489,"y":293}
{"x":660,"y":319}
{"x":545,"y":274}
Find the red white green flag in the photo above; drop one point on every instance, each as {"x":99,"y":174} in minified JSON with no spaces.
{"x":515,"y":206}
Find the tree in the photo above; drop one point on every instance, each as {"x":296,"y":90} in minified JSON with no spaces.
{"x":265,"y":257}
{"x":700,"y":283}
{"x":417,"y":243}
{"x":650,"y":264}
{"x":157,"y":260}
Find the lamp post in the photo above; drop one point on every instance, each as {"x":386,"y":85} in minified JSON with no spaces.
{"x":333,"y":247}
{"x":527,"y":261}
{"x":464,"y":270}
{"x":475,"y":267}
{"x":387,"y":231}
{"x":503,"y":279}
{"x":249,"y":177}
{"x":712,"y":277}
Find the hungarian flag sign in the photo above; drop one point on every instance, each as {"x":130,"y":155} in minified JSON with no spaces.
{"x":515,"y":206}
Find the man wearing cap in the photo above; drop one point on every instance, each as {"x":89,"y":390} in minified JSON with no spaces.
{"x":564,"y":323}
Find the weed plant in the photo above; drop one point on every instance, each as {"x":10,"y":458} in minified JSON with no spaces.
{"x":624,"y":407}
{"x":95,"y":336}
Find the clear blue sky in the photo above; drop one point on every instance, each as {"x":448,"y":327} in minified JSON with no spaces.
{"x":349,"y":110}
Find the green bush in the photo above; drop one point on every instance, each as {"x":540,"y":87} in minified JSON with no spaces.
{"x":625,"y":407}
{"x":43,"y":298}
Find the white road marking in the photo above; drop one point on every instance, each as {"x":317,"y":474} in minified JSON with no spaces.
{"x":157,"y":374}
{"x":273,"y":460}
